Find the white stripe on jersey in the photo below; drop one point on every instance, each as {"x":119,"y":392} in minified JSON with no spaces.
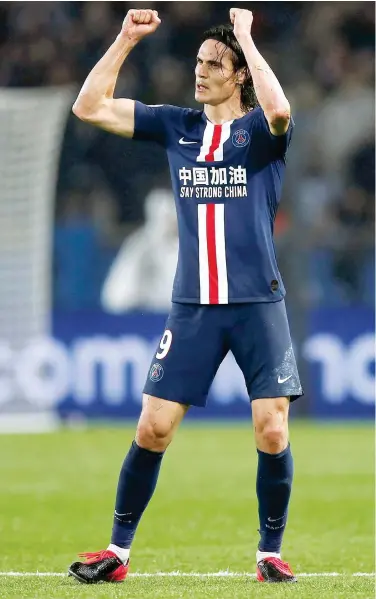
{"x":220,"y":246}
{"x":220,"y":273}
{"x":203,"y":254}
{"x":218,"y":276}
{"x":225,"y":134}
{"x":206,"y":142}
{"x":208,"y":139}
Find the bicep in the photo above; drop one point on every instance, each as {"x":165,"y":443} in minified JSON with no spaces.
{"x":115,"y":116}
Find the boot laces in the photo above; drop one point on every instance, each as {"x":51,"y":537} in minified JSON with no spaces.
{"x":278,"y":563}
{"x":96,"y":556}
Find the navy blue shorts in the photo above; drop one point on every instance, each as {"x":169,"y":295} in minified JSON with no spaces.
{"x":198,"y":337}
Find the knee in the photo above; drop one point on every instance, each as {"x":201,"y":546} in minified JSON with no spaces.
{"x":273,"y":438}
{"x":153,"y":435}
{"x":271,"y":432}
{"x":270,"y":420}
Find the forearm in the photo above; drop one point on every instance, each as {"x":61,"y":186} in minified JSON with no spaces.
{"x":101,"y":81}
{"x":268,"y":90}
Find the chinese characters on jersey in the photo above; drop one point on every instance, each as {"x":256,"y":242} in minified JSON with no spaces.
{"x":213,"y":182}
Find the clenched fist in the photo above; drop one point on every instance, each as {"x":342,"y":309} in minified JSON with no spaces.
{"x":140,"y":23}
{"x":242,"y":21}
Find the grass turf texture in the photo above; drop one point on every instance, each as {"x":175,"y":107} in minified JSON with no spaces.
{"x":57,"y":497}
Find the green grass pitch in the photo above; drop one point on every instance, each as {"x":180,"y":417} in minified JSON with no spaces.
{"x":57,"y":496}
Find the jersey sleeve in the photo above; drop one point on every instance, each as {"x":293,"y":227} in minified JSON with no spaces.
{"x":278,"y":144}
{"x":152,"y":122}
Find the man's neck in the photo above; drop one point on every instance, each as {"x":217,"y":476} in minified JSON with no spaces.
{"x":228,"y":111}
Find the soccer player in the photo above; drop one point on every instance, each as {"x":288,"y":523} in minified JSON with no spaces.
{"x":227,"y":163}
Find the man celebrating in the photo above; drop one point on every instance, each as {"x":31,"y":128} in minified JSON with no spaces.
{"x":227,"y":163}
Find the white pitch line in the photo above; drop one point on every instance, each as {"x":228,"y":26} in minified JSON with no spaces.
{"x":177,"y":574}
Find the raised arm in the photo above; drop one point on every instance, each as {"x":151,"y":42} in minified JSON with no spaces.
{"x":95,"y":103}
{"x":267,"y":87}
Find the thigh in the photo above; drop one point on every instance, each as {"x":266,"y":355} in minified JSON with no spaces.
{"x":188,"y":355}
{"x":270,"y":412}
{"x":261,"y":344}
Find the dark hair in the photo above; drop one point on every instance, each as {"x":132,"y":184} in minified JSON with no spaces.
{"x":225,"y":34}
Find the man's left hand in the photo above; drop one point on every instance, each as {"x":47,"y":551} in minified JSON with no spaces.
{"x":242,"y":21}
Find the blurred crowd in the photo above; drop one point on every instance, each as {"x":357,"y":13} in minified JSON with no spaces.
{"x":323,"y":54}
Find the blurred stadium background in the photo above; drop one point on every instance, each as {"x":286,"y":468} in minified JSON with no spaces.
{"x":87,"y":232}
{"x":87,"y":255}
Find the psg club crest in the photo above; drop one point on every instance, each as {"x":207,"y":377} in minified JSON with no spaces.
{"x":156,"y":372}
{"x":240,"y":138}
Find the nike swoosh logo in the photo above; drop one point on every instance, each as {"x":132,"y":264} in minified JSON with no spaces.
{"x":285,"y":379}
{"x":127,"y":514}
{"x":185,"y":143}
{"x":275,"y":519}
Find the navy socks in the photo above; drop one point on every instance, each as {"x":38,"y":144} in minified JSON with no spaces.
{"x":273,"y":487}
{"x":137,"y":481}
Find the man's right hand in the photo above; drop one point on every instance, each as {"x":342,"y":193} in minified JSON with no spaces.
{"x":140,"y":23}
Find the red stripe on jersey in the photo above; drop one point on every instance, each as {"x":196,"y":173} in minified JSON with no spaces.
{"x":212,"y":254}
{"x":215,"y":143}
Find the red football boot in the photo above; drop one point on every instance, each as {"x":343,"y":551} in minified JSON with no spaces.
{"x":273,"y":569}
{"x":101,"y":566}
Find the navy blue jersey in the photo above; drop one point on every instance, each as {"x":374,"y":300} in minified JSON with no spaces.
{"x":227,"y":183}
